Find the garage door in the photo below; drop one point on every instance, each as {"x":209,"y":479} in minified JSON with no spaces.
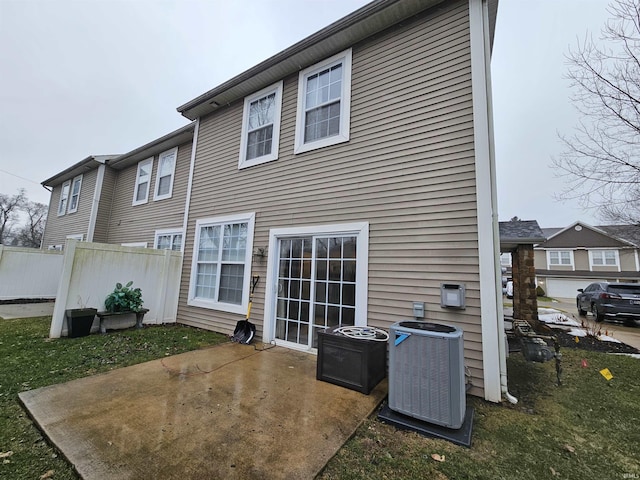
{"x":566,"y":287}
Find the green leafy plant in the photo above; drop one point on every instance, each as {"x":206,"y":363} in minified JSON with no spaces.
{"x":124,"y":299}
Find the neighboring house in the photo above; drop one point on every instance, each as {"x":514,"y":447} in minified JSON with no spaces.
{"x":75,"y":206}
{"x":575,"y":256}
{"x":351,"y":172}
{"x":135,"y":199}
{"x":150,"y":191}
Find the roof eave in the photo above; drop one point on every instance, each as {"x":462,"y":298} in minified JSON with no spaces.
{"x":355,"y":27}
{"x":170,"y":140}
{"x":83,"y":166}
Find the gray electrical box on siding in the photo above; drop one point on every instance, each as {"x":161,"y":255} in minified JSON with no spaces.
{"x":452,"y":295}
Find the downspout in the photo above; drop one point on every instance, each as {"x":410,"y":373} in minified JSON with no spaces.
{"x":502,"y":343}
{"x":187,"y":205}
{"x":95,"y":204}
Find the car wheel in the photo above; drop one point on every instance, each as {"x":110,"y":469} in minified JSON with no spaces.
{"x":599,"y":316}
{"x":581,"y":312}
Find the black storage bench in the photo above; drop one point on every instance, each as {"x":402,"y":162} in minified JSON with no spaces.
{"x":357,"y":364}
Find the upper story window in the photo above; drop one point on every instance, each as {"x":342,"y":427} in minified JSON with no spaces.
{"x":261,"y":126}
{"x":221,"y":268}
{"x":143,"y":179}
{"x":560,"y":257}
{"x":168,"y":240}
{"x":164,"y":177}
{"x":603,"y":258}
{"x":75,"y":194}
{"x":64,"y":198}
{"x":324,"y":103}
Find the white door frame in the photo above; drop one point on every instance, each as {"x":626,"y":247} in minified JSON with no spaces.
{"x":359,"y":230}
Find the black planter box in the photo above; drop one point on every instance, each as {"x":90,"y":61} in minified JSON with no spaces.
{"x":79,"y":321}
{"x":350,"y":362}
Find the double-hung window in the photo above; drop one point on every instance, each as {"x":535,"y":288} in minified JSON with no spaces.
{"x":75,"y":194}
{"x":169,"y":240}
{"x":64,"y":198}
{"x":143,"y":180}
{"x":164,"y":177}
{"x":560,"y":257}
{"x":603,"y":258}
{"x":324,"y":103}
{"x":261,"y":126}
{"x":221,"y":268}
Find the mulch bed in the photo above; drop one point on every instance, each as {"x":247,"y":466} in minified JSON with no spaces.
{"x":593,"y":344}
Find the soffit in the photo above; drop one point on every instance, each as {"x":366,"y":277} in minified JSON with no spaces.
{"x":369,"y":20}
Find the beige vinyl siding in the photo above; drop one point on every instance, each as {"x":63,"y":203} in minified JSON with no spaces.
{"x":129,"y":223}
{"x":628,"y":260}
{"x":408,"y":170}
{"x":540,"y":259}
{"x":76,"y":223}
{"x":101,"y":232}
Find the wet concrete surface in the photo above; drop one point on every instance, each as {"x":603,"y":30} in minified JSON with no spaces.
{"x":227,"y":412}
{"x":26,"y":310}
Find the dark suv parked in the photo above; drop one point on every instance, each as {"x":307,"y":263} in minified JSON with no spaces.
{"x":611,"y":300}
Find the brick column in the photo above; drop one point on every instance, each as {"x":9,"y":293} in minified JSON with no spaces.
{"x":525,"y":300}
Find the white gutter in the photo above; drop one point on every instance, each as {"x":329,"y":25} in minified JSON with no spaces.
{"x":187,"y":202}
{"x":97,"y":193}
{"x":492,"y":319}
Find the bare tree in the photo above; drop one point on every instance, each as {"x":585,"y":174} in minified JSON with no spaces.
{"x":601,"y":160}
{"x":9,"y":208}
{"x":30,"y":234}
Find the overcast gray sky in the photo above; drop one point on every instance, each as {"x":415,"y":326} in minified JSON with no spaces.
{"x":105,"y":76}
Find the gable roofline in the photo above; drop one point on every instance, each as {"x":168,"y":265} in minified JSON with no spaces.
{"x":521,"y":232}
{"x":90,"y":163}
{"x":159,"y":145}
{"x":595,"y":229}
{"x":340,"y":35}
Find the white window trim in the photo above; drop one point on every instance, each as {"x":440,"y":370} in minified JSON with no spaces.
{"x":241,"y":309}
{"x":275,"y":141}
{"x":69,"y":202}
{"x":136,"y":185}
{"x":360,"y":230}
{"x":79,"y":237}
{"x":174,"y":152}
{"x":168,"y":231}
{"x":604,"y":265}
{"x":134,"y":244}
{"x":571,"y":257}
{"x":62,"y":211}
{"x":345,"y":104}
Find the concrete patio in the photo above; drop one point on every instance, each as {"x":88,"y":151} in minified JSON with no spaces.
{"x":229,"y":412}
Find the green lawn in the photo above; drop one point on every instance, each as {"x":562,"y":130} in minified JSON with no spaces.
{"x":586,"y":429}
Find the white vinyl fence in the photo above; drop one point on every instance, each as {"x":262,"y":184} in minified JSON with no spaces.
{"x":91,"y":271}
{"x":29,"y":273}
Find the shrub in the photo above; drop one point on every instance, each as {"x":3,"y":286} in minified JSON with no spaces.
{"x":124,"y":299}
{"x":540,"y":291}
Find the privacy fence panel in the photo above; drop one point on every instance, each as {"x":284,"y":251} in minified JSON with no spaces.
{"x":29,"y":273}
{"x":91,"y":271}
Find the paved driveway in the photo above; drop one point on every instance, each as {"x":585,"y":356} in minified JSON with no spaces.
{"x":228,"y":412}
{"x":615,"y":329}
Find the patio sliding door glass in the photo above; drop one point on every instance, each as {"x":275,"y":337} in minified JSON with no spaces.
{"x":316,"y":286}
